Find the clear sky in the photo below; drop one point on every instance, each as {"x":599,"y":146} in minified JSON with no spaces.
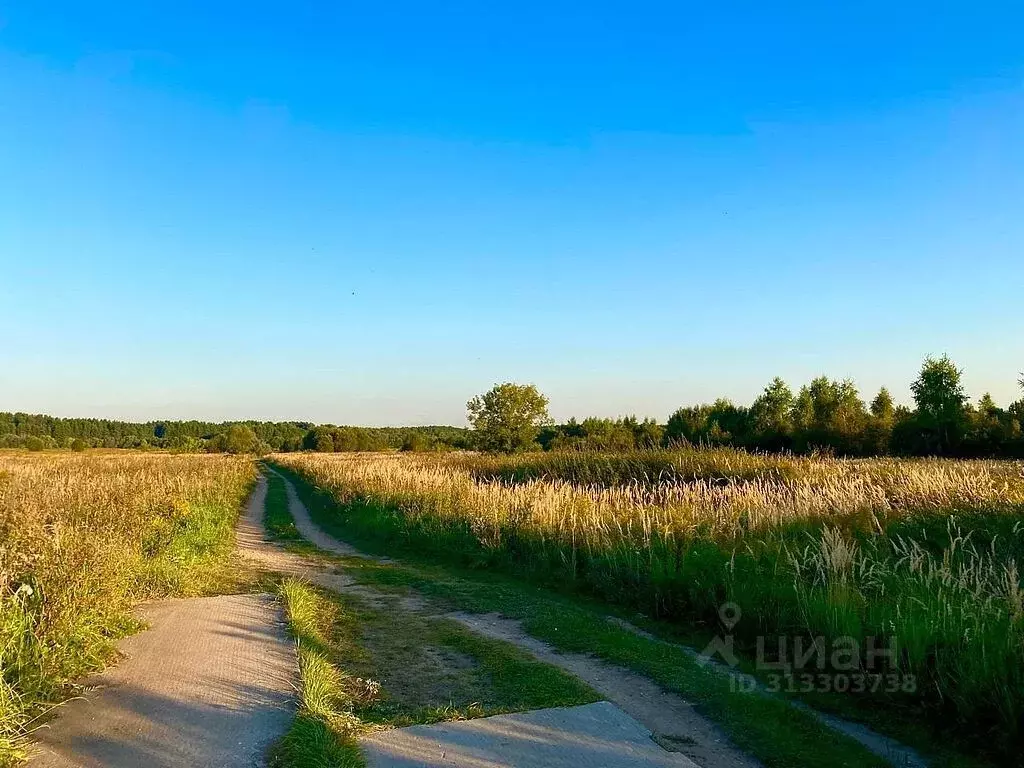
{"x":368,"y":212}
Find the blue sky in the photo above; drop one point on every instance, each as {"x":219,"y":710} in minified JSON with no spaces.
{"x":368,"y":212}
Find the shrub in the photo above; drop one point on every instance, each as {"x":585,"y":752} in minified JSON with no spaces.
{"x":415,"y":443}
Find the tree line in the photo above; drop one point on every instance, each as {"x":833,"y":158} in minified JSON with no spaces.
{"x":825,"y":415}
{"x":38,"y":432}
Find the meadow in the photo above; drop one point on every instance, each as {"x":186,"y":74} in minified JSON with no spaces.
{"x":85,"y":537}
{"x":916,"y":555}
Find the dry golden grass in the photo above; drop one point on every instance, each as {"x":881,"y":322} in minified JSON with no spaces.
{"x":921,"y":552}
{"x":865,"y":492}
{"x":85,"y":536}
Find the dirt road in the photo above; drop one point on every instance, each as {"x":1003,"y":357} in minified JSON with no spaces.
{"x":212,"y":683}
{"x":637,"y":700}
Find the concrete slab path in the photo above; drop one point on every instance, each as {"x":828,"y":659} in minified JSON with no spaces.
{"x":598,"y":734}
{"x":210,"y":683}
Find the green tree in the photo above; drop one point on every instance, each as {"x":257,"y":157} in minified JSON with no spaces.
{"x":688,"y":424}
{"x":771,"y":416}
{"x":78,"y":445}
{"x":941,"y":404}
{"x":415,"y":442}
{"x":608,"y":435}
{"x":646,"y":434}
{"x":880,"y":425}
{"x":185,"y":444}
{"x":882,"y":407}
{"x":508,"y":417}
{"x":720,"y":423}
{"x":830,"y":414}
{"x":990,"y":428}
{"x":320,"y":439}
{"x":241,"y":439}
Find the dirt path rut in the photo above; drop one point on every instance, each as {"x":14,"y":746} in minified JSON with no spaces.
{"x":675,"y":725}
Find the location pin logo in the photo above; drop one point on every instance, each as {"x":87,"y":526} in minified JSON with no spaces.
{"x":730,"y":614}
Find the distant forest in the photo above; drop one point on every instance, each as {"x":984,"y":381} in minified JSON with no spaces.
{"x":824,"y":416}
{"x":22,"y":430}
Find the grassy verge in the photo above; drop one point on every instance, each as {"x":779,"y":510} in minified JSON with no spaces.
{"x":766,"y":727}
{"x":324,"y":730}
{"x":198,"y":558}
{"x":276,"y":518}
{"x":434,"y":669}
{"x":365,"y":667}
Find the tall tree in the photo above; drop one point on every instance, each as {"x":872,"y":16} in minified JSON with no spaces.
{"x":830,"y":414}
{"x":941,"y":403}
{"x":320,"y":439}
{"x":878,"y":433}
{"x":991,"y":429}
{"x":647,"y":433}
{"x":720,"y":423}
{"x":240,"y":439}
{"x":688,"y":424}
{"x":771,"y":416}
{"x":882,"y":407}
{"x":508,"y":417}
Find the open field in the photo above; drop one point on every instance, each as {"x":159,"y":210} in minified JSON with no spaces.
{"x":85,"y":537}
{"x":915,"y":556}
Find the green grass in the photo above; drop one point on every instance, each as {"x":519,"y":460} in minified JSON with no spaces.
{"x":196,"y":558}
{"x":432,"y":669}
{"x":770,"y":729}
{"x":574,"y":624}
{"x":323,"y":733}
{"x":766,"y":727}
{"x":939,"y":582}
{"x":365,"y":667}
{"x":277,"y":519}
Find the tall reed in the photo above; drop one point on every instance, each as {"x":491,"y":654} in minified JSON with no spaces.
{"x":922,"y":553}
